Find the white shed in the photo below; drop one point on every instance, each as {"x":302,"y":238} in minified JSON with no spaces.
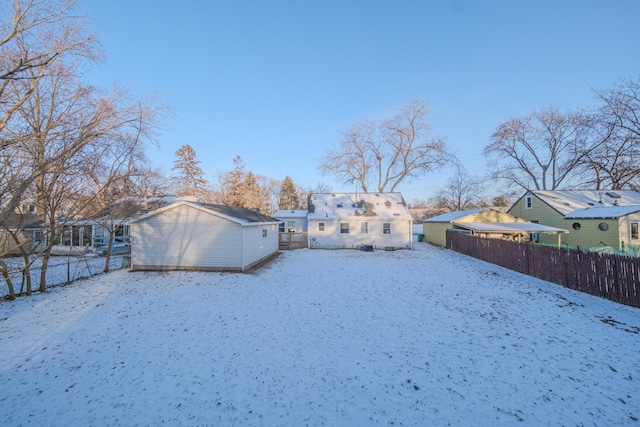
{"x":359,"y":221}
{"x":204,"y":237}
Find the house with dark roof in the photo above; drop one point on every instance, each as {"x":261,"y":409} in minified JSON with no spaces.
{"x":596,"y":219}
{"x":204,"y":237}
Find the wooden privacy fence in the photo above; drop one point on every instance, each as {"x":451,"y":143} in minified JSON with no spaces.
{"x":287,"y":241}
{"x":614,"y":277}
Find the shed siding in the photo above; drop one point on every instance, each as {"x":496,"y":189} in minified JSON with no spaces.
{"x":256,"y":246}
{"x":184,"y":237}
{"x":435,"y":232}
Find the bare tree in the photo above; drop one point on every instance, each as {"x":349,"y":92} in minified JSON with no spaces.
{"x":79,"y":139}
{"x":462,"y":192}
{"x":35,"y":35}
{"x":539,"y":151}
{"x":382,"y":155}
{"x":614,"y":160}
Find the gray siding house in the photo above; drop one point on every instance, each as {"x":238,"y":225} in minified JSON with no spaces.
{"x":202,"y":237}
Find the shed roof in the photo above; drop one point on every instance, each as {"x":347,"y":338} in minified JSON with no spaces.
{"x":453,"y":216}
{"x":509,"y":227}
{"x":233,"y":213}
{"x":382,"y":206}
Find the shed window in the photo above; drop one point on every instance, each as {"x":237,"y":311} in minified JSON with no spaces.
{"x":386,"y":228}
{"x":634,"y":231}
{"x":364,"y":228}
{"x":344,"y":228}
{"x":321,"y":226}
{"x":264,"y":233}
{"x":528,"y":202}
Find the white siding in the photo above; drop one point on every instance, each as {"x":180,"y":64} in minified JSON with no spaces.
{"x":186,"y":238}
{"x":400,"y":237}
{"x":257,"y":246}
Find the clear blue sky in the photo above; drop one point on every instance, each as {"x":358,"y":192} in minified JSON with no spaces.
{"x":277,"y":81}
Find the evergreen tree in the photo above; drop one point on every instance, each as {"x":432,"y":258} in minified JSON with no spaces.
{"x":233,"y":184}
{"x":289,"y":195}
{"x":189,"y":180}
{"x":252,"y":194}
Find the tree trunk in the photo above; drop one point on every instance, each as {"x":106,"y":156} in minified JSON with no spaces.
{"x":7,"y":278}
{"x":107,"y":261}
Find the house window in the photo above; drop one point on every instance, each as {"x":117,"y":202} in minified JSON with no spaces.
{"x":528,"y":202}
{"x":86,"y":235}
{"x":386,"y":228}
{"x":344,"y":228}
{"x":264,"y":233}
{"x":291,"y":226}
{"x":576,"y":226}
{"x":364,"y":228}
{"x":321,"y":226}
{"x":281,"y":227}
{"x":603,"y":226}
{"x":634,"y":231}
{"x":122,"y":233}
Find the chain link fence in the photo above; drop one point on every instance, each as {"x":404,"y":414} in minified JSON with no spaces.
{"x":60,"y":270}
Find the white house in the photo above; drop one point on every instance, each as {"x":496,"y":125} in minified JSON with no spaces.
{"x":292,"y":220}
{"x":359,"y":221}
{"x":197,"y":236}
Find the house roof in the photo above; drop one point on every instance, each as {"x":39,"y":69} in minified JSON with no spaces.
{"x":509,"y":227}
{"x":232,"y":213}
{"x":23,"y":221}
{"x":389,"y":206}
{"x":570,"y":201}
{"x":290,"y":213}
{"x":612,"y":212}
{"x":453,"y":216}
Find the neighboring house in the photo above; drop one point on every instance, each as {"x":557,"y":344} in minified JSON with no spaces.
{"x":595,"y":218}
{"x":197,"y":236}
{"x":292,"y":221}
{"x":92,"y":234}
{"x":487,"y":223}
{"x":359,"y":221}
{"x":29,"y":229}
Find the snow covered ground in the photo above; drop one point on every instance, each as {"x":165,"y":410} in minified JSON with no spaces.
{"x":423,"y":337}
